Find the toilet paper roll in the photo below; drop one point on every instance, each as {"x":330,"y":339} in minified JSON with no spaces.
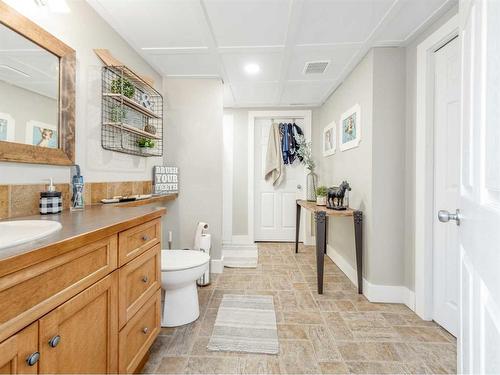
{"x":200,"y":228}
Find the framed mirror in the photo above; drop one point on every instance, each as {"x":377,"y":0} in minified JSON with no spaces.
{"x":37,"y":93}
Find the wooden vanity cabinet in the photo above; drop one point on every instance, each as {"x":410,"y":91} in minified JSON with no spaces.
{"x":88,"y":315}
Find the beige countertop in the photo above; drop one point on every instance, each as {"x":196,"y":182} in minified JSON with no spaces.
{"x":78,"y":228}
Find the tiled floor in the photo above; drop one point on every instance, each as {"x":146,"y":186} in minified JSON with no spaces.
{"x":337,"y":332}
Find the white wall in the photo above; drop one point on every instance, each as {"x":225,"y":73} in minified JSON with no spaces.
{"x":194,"y":144}
{"x":83,"y":30}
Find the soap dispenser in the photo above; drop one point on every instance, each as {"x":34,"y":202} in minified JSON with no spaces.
{"x":50,"y":200}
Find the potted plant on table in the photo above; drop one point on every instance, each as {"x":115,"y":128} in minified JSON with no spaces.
{"x":321,"y":193}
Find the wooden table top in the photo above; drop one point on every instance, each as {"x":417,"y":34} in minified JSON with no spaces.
{"x":313,"y":207}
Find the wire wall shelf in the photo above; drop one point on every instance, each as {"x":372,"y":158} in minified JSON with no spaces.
{"x":132,"y":113}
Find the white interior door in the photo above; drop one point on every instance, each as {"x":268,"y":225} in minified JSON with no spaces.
{"x":479,"y":231}
{"x":446,"y":184}
{"x":275,"y":206}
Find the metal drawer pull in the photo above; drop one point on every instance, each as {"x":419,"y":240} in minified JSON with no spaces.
{"x":145,"y":238}
{"x":145,"y":279}
{"x":33,"y":358}
{"x":54,"y":341}
{"x":145,"y":330}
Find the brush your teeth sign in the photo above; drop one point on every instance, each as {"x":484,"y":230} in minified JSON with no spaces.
{"x":165,"y":179}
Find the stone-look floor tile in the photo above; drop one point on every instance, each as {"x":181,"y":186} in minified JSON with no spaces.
{"x":253,"y":365}
{"x":333,"y":368}
{"x":323,"y":344}
{"x":421,"y":334}
{"x":214,"y":365}
{"x":172,"y":365}
{"x":297,"y":357}
{"x":292,"y":332}
{"x":368,"y":351}
{"x":336,"y":332}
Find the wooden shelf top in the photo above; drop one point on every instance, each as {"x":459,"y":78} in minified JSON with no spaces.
{"x":313,"y":207}
{"x":131,"y":129}
{"x":132,"y":104}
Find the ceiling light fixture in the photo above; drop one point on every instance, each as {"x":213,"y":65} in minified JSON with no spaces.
{"x":252,"y":68}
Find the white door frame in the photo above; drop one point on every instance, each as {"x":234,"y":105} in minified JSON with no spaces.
{"x":252,"y":116}
{"x":424,"y":166}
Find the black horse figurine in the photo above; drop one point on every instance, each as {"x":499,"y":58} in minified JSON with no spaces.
{"x":337,"y":193}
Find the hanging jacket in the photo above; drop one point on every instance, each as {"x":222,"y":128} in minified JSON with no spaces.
{"x":297,"y":131}
{"x":285,"y":142}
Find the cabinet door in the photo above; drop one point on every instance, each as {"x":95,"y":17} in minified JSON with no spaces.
{"x":19,"y":353}
{"x":81,"y":335}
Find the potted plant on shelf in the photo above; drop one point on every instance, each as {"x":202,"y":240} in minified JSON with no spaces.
{"x":145,"y":143}
{"x":321,"y":193}
{"x":122,"y":86}
{"x":305,"y":156}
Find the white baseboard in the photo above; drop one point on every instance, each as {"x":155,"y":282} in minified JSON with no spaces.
{"x":374,"y":292}
{"x":217,"y":265}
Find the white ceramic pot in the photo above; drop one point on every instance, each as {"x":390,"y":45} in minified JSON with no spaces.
{"x":321,"y":201}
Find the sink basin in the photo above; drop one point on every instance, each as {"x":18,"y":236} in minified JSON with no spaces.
{"x":14,"y":233}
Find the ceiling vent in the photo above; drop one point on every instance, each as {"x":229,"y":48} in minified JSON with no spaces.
{"x":316,"y":67}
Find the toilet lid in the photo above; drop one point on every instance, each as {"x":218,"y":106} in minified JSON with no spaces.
{"x":174,"y":260}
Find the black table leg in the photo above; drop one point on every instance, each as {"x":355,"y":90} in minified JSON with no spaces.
{"x":297,"y":227}
{"x":321,"y":223}
{"x":358,"y":233}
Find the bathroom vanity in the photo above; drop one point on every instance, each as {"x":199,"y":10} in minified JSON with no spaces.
{"x":85,"y":299}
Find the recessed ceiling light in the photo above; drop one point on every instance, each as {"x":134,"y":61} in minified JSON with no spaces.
{"x":252,"y":68}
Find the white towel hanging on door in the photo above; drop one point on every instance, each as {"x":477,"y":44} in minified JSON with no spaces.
{"x":275,"y":168}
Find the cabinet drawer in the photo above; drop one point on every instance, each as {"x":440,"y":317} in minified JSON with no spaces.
{"x":135,"y":241}
{"x":139,"y":280}
{"x":30,"y":293}
{"x":139,"y":333}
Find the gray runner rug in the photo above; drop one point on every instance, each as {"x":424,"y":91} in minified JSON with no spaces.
{"x":245,"y":323}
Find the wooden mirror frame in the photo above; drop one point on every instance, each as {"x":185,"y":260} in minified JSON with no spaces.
{"x":65,"y":153}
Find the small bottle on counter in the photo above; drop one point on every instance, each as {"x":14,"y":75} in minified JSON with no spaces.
{"x":50,"y":200}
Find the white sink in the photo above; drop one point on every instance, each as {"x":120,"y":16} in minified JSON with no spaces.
{"x":14,"y":233}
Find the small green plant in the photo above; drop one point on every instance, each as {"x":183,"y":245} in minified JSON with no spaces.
{"x":145,"y":142}
{"x":122,"y":86}
{"x":321,"y":191}
{"x":117,"y":114}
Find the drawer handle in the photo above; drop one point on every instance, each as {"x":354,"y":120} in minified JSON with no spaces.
{"x":33,"y":358}
{"x":145,"y":279}
{"x":145,"y":330}
{"x":145,"y":238}
{"x":54,"y":341}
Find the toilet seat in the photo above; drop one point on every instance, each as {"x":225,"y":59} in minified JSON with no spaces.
{"x":176,"y":260}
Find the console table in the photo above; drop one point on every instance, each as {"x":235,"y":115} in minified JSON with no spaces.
{"x":321,"y":214}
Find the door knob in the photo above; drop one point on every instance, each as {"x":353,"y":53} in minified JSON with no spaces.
{"x":444,"y":216}
{"x":299,"y":186}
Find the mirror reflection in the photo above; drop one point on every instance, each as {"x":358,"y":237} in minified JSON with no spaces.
{"x":29,"y":92}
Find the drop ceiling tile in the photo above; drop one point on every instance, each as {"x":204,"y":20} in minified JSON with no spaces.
{"x":269,"y":63}
{"x":339,"y":57}
{"x":257,"y":93}
{"x":157,"y":23}
{"x":305,"y":92}
{"x":248,"y":22}
{"x":408,"y":19}
{"x":188,"y":64}
{"x":340,"y":21}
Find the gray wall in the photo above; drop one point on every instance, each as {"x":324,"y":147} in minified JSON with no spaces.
{"x":374,"y":168}
{"x":83,"y":30}
{"x":411,"y":103}
{"x":194,"y":144}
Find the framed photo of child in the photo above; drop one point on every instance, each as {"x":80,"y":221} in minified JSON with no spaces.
{"x":41,"y":134}
{"x":350,"y":128}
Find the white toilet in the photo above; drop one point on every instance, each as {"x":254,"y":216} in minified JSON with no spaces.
{"x":179,"y":271}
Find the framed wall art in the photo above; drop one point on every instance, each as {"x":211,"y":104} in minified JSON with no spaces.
{"x":330,"y":139}
{"x":7,"y":126}
{"x":350,"y":128}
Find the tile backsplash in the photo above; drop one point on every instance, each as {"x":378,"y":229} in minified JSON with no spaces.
{"x":23,"y":200}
